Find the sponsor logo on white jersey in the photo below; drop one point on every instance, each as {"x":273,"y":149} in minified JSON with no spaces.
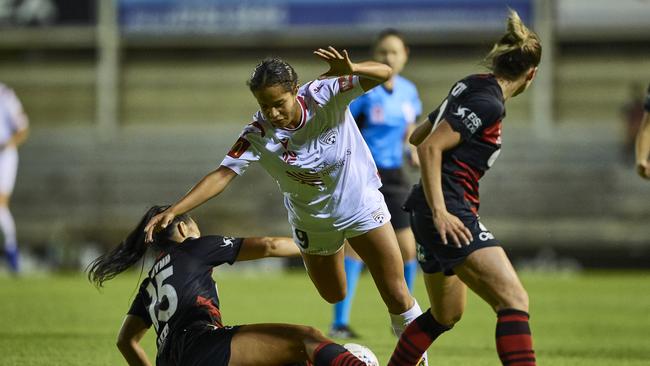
{"x":315,"y":177}
{"x":309,"y":178}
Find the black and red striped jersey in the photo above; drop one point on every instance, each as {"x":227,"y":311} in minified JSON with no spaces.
{"x":474,"y":108}
{"x":179,"y":292}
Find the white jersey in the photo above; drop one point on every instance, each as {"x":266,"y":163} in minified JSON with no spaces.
{"x":12,"y":116}
{"x":323,"y":167}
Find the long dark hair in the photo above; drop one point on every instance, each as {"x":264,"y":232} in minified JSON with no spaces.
{"x":131,"y":249}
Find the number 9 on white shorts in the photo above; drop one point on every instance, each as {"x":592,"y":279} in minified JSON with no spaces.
{"x":328,"y":242}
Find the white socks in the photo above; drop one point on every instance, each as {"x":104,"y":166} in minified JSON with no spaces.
{"x":399,"y":322}
{"x":8,"y":228}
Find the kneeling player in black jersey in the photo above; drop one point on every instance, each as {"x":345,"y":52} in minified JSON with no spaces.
{"x":180,"y":300}
{"x":456,"y":145}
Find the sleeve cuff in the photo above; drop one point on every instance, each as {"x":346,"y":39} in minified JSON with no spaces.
{"x":237,"y":166}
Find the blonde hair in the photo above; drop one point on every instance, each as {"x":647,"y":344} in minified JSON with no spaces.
{"x":518,"y":50}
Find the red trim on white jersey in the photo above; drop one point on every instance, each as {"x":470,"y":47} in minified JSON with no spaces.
{"x":303,"y":114}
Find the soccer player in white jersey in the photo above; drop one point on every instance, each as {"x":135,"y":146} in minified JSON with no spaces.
{"x":307,"y":140}
{"x":13,"y":132}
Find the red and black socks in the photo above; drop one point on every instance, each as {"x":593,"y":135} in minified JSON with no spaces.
{"x":332,"y":354}
{"x":514,"y":341}
{"x":416,"y":339}
{"x":513,"y":338}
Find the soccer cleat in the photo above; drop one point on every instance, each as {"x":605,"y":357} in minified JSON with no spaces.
{"x":342,"y":332}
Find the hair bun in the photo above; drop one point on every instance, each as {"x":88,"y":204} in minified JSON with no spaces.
{"x":516,"y":28}
{"x":517,"y":50}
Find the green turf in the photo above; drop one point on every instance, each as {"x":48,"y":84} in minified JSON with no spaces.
{"x":587,"y":319}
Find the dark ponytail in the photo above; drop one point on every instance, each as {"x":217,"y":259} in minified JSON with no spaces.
{"x":131,"y":250}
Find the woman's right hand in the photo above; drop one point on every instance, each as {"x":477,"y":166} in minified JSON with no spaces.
{"x":158,"y":223}
{"x":450,"y":226}
{"x":340,"y":64}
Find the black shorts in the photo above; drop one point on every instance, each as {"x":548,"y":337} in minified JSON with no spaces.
{"x":433,"y":255}
{"x":395,"y":189}
{"x":202,"y":347}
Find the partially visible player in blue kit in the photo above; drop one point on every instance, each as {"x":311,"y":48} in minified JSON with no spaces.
{"x":386,"y":116}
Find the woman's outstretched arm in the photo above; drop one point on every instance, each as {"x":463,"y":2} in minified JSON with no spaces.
{"x":128,"y":341}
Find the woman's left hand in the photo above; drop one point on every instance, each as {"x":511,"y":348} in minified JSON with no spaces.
{"x":340,"y":64}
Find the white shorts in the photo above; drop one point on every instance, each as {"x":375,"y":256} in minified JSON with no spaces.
{"x":8,"y":168}
{"x":328,"y":242}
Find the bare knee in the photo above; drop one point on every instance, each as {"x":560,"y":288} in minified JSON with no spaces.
{"x":307,"y":334}
{"x":399,"y":301}
{"x":447,"y":317}
{"x":521,"y":301}
{"x":333,"y":297}
{"x":515,"y":299}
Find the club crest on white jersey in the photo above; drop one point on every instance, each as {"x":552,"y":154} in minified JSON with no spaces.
{"x":328,"y":137}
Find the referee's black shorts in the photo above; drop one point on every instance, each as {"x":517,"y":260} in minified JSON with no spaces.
{"x":395,"y":189}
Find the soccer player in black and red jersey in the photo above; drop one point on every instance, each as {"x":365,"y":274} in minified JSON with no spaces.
{"x":179,"y":298}
{"x":457,"y":145}
{"x":643,"y":141}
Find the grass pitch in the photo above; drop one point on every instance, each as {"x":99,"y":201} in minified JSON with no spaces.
{"x":593,"y":319}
